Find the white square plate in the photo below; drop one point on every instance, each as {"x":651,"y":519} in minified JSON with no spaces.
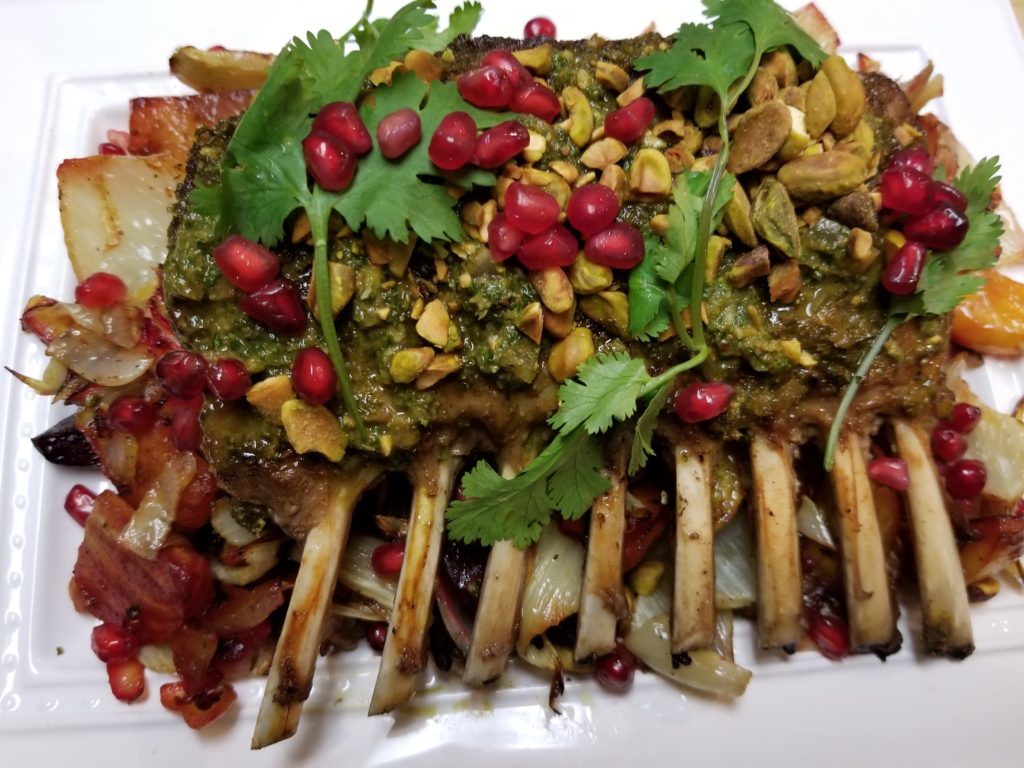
{"x":68,"y":70}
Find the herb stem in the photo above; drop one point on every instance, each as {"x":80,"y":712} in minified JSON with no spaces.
{"x":891,"y":324}
{"x":319,"y":215}
{"x":677,"y":320}
{"x":360,"y":22}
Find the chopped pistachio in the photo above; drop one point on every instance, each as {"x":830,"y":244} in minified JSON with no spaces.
{"x":644,"y":579}
{"x":586,"y":277}
{"x":531,"y":321}
{"x":581,"y":116}
{"x":440,"y":367}
{"x":433,"y":323}
{"x":537,"y":60}
{"x":407,"y":364}
{"x":313,"y":429}
{"x":750,"y":266}
{"x":650,"y":177}
{"x":611,"y":76}
{"x":569,"y":354}
{"x":269,"y":395}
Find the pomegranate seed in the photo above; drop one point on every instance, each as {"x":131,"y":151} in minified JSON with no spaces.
{"x":615,"y":671}
{"x":830,"y":633}
{"x":313,"y":376}
{"x":502,"y":238}
{"x":100,"y":290}
{"x":540,"y":26}
{"x":109,"y":148}
{"x":452,"y":144}
{"x":892,"y":473}
{"x":537,"y":100}
{"x":703,"y":400}
{"x":377,"y":635}
{"x":906,"y":190}
{"x":341,"y":120}
{"x":247,"y":265}
{"x":947,"y":193}
{"x":620,"y":246}
{"x":947,"y":443}
{"x":228,"y":379}
{"x":331,"y":164}
{"x":530,"y":209}
{"x":517,"y":74}
{"x":127,"y":679}
{"x":497,"y":146}
{"x":487,"y":87}
{"x":901,"y":274}
{"x":111,"y":643}
{"x":965,"y":417}
{"x":555,"y":247}
{"x":628,"y":123}
{"x":186,"y":434}
{"x":387,"y":559}
{"x":965,"y":479}
{"x":131,"y":414}
{"x":942,"y":228}
{"x":79,"y":503}
{"x":277,"y":305}
{"x":182,"y":373}
{"x":592,"y":208}
{"x":216,"y":48}
{"x":573,"y":529}
{"x":913,"y":157}
{"x":399,"y":132}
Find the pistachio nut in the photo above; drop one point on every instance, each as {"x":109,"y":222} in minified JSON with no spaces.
{"x":760,"y":135}
{"x":775,"y":219}
{"x":632,"y":93}
{"x":611,"y":76}
{"x":793,"y":96}
{"x":659,"y":224}
{"x":717,"y":246}
{"x":570,"y":353}
{"x":558,"y":325}
{"x":856,"y":209}
{"x":609,"y":309}
{"x":736,"y":216}
{"x":679,"y":157}
{"x":613,"y":177}
{"x":861,"y":247}
{"x":782,"y":67}
{"x":763,"y":87}
{"x":567,"y":171}
{"x":313,"y":429}
{"x":407,"y":364}
{"x":530,"y":321}
{"x":433,"y":325}
{"x":706,"y":110}
{"x":440,"y":367}
{"x":536,"y":148}
{"x":343,"y":287}
{"x":603,"y":153}
{"x":586,"y":277}
{"x":798,"y":139}
{"x":821,"y":105}
{"x":860,"y":141}
{"x":553,"y":287}
{"x":823,"y":176}
{"x":650,"y":177}
{"x":269,"y":395}
{"x":849,"y":94}
{"x":581,"y":116}
{"x":537,"y":60}
{"x":750,"y":266}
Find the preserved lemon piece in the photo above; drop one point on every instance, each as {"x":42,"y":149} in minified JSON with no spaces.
{"x":992,"y":320}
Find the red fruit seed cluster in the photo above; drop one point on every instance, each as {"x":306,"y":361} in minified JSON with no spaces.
{"x":935,"y":216}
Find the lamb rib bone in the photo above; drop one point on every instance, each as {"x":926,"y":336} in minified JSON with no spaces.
{"x":433,"y":473}
{"x":944,"y":605}
{"x":494,"y":630}
{"x":693,"y":595}
{"x":780,"y":597}
{"x":291,"y":671}
{"x":869,"y":601}
{"x":603,"y":602}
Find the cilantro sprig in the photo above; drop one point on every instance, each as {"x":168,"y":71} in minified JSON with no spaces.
{"x":263,"y":174}
{"x":945,"y":280}
{"x":722,"y":55}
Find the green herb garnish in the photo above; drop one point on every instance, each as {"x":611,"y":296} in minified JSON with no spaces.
{"x":946,"y":279}
{"x":263,"y":175}
{"x":723,"y":56}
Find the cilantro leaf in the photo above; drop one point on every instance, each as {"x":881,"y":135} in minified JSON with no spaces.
{"x":566,"y":472}
{"x":461,"y":21}
{"x":642,"y":447}
{"x":773,"y":26}
{"x":700,"y":54}
{"x":394,"y":197}
{"x":605,"y":389}
{"x":648,"y":300}
{"x":578,"y":480}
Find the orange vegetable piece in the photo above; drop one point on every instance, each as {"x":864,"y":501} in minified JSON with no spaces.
{"x":992,"y":320}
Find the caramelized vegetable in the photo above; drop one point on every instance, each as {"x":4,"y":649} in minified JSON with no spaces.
{"x":992,"y":320}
